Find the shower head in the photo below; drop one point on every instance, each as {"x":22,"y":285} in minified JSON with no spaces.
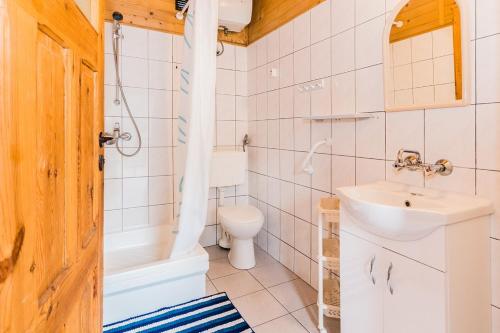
{"x":117,"y":16}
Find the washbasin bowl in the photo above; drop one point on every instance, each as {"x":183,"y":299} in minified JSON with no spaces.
{"x":405,"y":213}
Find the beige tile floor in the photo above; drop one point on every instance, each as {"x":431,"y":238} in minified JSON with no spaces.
{"x":270,"y":297}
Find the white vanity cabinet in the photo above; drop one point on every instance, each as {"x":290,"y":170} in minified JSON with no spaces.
{"x":393,"y":281}
{"x":361,"y":285}
{"x":383,"y":291}
{"x":414,"y":297}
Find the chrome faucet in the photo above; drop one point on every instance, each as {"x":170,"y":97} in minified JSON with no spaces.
{"x":412,"y":160}
{"x":111,"y":138}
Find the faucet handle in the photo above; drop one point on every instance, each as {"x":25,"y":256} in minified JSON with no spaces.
{"x":403,"y":151}
{"x":445,"y":167}
{"x":414,"y":156}
{"x":441,"y":167}
{"x":413,"y":159}
{"x":399,"y":162}
{"x":126,"y":136}
{"x":399,"y":157}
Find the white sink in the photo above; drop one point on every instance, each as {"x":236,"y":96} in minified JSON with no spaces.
{"x":405,"y":213}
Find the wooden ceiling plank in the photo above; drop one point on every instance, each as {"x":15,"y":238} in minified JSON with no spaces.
{"x":420,"y":16}
{"x":159,"y":15}
{"x":268,"y":15}
{"x":272,"y":14}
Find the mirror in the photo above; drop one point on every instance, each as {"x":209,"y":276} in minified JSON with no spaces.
{"x":424,"y":56}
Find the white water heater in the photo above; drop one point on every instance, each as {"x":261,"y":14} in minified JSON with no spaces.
{"x":235,"y":15}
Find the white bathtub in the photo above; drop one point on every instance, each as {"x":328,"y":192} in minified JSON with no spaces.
{"x":139,"y":277}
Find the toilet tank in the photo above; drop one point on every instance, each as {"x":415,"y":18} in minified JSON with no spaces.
{"x":235,"y":15}
{"x":228,"y":168}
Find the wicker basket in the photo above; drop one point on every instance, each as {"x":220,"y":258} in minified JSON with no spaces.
{"x":331,"y":297}
{"x":331,"y":247}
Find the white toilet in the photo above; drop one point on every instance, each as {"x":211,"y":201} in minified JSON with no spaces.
{"x":240,"y":223}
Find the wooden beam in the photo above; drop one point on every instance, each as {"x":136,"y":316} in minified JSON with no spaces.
{"x":268,"y":15}
{"x":457,"y":53}
{"x":159,"y":15}
{"x":421,"y":16}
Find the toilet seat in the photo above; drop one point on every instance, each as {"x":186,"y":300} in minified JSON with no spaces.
{"x":241,"y":214}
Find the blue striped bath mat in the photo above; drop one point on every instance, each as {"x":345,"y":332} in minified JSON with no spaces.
{"x":213,"y":313}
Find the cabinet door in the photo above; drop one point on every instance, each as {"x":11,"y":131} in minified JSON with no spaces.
{"x":361,"y":285}
{"x":416,"y":303}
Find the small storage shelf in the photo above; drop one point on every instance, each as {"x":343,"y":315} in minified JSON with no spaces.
{"x":331,"y":253}
{"x":337,"y":117}
{"x":328,"y":260}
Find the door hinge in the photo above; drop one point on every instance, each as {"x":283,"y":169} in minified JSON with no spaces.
{"x":102,"y":160}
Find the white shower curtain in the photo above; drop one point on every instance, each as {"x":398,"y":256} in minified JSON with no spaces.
{"x":196,"y":123}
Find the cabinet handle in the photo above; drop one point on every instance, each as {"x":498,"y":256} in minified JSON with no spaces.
{"x":372,"y":264}
{"x":389,"y":286}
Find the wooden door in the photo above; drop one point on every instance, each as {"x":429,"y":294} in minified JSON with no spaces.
{"x":417,"y":302}
{"x":51,"y":62}
{"x":362,"y":285}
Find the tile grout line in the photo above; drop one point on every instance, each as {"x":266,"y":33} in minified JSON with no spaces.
{"x":266,"y":322}
{"x":268,"y":288}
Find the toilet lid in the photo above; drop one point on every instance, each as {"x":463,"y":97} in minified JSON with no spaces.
{"x":241,"y":214}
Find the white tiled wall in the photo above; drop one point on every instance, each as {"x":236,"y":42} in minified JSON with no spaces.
{"x":139,"y":191}
{"x":423,"y":69}
{"x":339,"y":41}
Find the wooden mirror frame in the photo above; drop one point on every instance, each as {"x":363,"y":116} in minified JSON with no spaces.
{"x":466,"y":69}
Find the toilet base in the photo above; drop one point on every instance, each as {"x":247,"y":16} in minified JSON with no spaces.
{"x":242,"y":254}
{"x":225,"y":240}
